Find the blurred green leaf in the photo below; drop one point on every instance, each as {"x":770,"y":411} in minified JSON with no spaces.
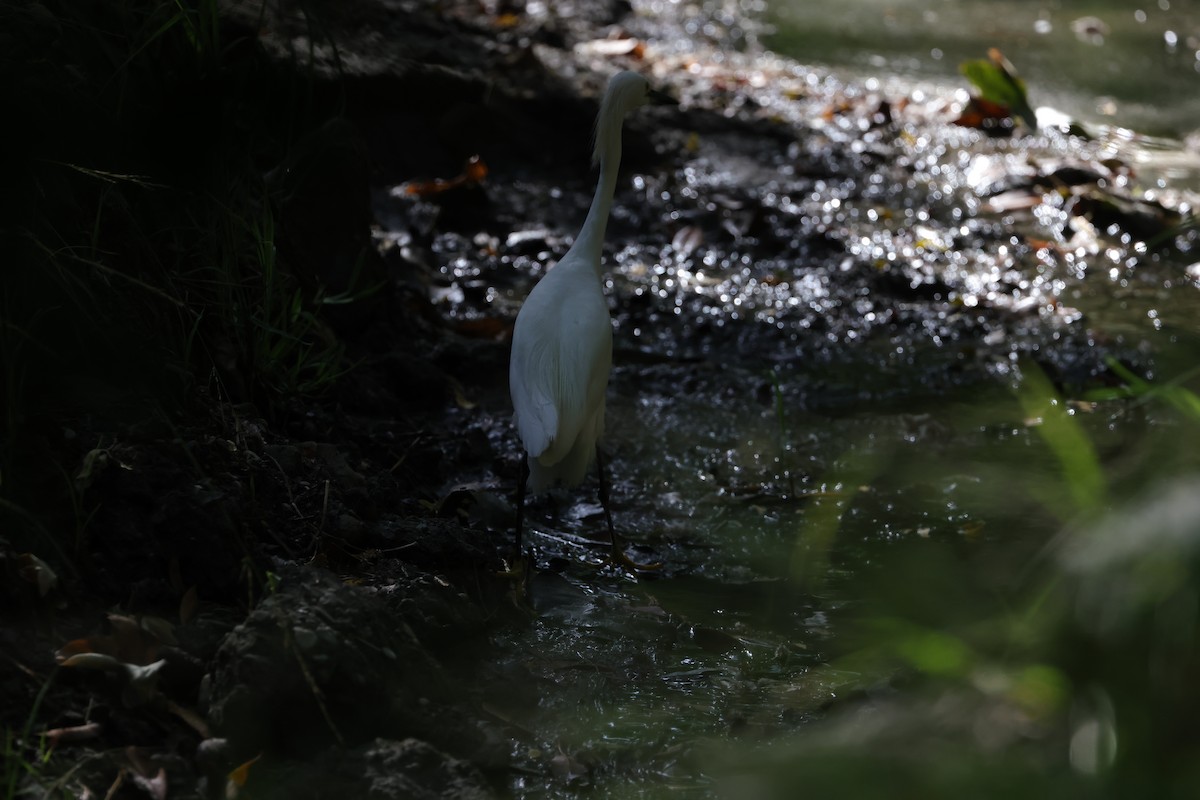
{"x":810,"y":555}
{"x":1172,"y":393}
{"x":934,"y":652}
{"x":1047,"y":412}
{"x":1041,"y":690}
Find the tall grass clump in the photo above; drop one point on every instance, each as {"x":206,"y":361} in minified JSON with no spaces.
{"x":145,"y":262}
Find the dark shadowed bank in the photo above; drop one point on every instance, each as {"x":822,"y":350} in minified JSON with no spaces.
{"x":262,"y":263}
{"x":231,"y":416}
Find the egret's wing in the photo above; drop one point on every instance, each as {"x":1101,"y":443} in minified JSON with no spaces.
{"x":599,"y":360}
{"x":531,"y":383}
{"x":561,"y":357}
{"x":584,"y":357}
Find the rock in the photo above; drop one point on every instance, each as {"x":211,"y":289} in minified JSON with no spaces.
{"x":156,"y":511}
{"x":436,"y":611}
{"x":336,"y":462}
{"x":319,"y":662}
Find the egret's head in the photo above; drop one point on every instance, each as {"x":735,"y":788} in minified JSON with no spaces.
{"x":626,"y":91}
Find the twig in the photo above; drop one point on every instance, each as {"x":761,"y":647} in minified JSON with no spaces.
{"x":318,"y":695}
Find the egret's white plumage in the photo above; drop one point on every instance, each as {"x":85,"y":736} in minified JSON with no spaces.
{"x":562,"y":341}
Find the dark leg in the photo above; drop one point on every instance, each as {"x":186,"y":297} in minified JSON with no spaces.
{"x":521,"y":481}
{"x":618,"y":546}
{"x":612,"y":532}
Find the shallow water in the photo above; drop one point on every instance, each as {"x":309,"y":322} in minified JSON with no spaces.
{"x":768,"y":533}
{"x":819,"y":352}
{"x":1135,"y":64}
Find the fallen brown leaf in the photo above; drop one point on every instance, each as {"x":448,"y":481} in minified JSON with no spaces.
{"x":75,"y":733}
{"x":985,"y":115}
{"x":473,"y":172}
{"x":241,"y":773}
{"x":193,"y":719}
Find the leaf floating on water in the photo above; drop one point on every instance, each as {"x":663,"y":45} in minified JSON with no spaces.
{"x":473,"y":173}
{"x":998,"y":87}
{"x":985,"y":115}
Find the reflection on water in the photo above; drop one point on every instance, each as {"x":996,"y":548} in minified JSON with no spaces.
{"x":1131,"y":63}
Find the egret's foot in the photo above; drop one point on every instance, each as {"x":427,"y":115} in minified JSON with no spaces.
{"x":515,"y":569}
{"x":518,"y":570}
{"x":620,"y":558}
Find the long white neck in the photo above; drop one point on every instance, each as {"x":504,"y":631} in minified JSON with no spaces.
{"x":589,"y":243}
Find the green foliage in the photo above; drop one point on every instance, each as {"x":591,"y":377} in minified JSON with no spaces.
{"x":274,"y":331}
{"x":997,"y":82}
{"x":21,"y":759}
{"x":814,"y":545}
{"x":1074,"y":676}
{"x":145,"y":261}
{"x":1172,"y":393}
{"x":1079,"y":466}
{"x":145,"y":258}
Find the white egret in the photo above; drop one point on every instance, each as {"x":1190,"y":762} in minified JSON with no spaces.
{"x":562,"y":341}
